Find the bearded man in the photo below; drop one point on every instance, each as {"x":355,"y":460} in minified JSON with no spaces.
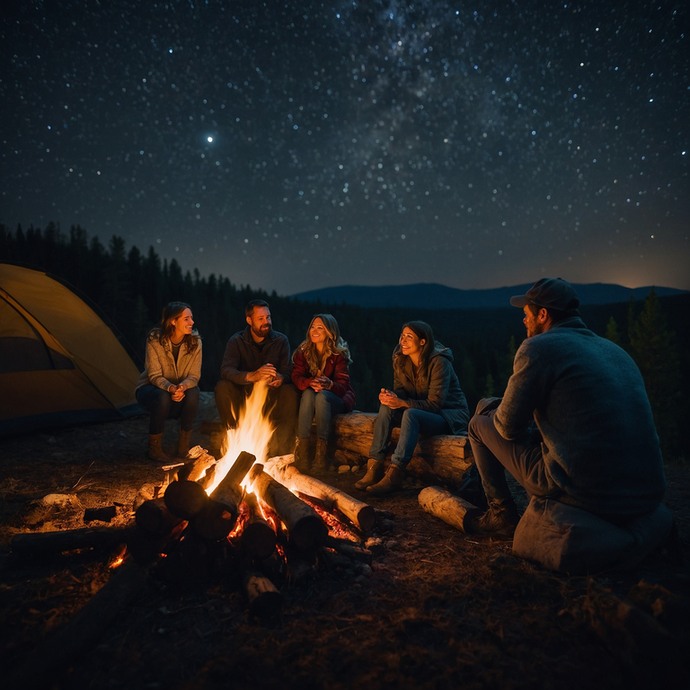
{"x":258,"y":353}
{"x":574,"y":426}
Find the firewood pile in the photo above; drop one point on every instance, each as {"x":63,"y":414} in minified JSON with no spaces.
{"x":282,"y":530}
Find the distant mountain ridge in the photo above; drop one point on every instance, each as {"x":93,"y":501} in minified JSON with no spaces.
{"x":435,"y":296}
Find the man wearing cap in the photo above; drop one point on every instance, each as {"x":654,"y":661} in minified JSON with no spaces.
{"x":574,"y":424}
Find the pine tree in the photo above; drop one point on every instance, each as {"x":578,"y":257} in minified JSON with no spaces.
{"x":654,"y":350}
{"x":612,"y":332}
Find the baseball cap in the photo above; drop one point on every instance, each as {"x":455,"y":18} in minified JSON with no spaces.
{"x":552,"y":293}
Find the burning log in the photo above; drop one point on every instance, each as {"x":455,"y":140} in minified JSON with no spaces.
{"x":449,"y":508}
{"x":442,"y":457}
{"x":155,"y":517}
{"x":219,"y":516}
{"x":361,"y":514}
{"x":258,"y":538}
{"x":264,"y":599}
{"x":185,"y":498}
{"x":48,"y":543}
{"x":305,"y":527}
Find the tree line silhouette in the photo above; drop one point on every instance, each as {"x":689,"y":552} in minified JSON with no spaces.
{"x":129,"y":288}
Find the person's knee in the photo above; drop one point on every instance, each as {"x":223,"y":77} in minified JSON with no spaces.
{"x":474,"y":427}
{"x":385,"y":411}
{"x":321,"y":401}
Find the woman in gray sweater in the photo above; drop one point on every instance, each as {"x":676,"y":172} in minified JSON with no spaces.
{"x":426,"y":398}
{"x":169,"y":385}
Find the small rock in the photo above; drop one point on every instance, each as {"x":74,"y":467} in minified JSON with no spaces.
{"x":355,"y":468}
{"x":343,"y":469}
{"x":60,"y":500}
{"x":365,"y":570}
{"x":392,"y":545}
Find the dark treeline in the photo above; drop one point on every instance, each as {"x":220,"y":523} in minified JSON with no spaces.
{"x":129,"y":288}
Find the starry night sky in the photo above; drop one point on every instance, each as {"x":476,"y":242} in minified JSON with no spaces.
{"x":292,"y":146}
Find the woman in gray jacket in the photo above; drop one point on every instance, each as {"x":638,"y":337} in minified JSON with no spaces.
{"x":426,"y":398}
{"x":169,"y":385}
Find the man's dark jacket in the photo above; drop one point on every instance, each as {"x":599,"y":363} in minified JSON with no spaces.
{"x":242,"y":356}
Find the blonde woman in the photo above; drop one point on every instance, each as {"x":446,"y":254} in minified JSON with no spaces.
{"x":321,"y":372}
{"x":169,"y":385}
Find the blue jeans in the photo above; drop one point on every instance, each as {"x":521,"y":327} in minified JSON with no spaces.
{"x":320,"y":406}
{"x":161,"y":406}
{"x":411,"y":423}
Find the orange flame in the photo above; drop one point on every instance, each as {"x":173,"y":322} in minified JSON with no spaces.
{"x":252,"y":434}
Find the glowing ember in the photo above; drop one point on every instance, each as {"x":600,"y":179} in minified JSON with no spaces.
{"x":253,"y":432}
{"x":336,"y":528}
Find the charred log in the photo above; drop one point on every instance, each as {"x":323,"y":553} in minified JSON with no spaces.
{"x":220,"y":514}
{"x":305,"y":527}
{"x":154,"y":517}
{"x":361,"y":514}
{"x":185,"y":498}
{"x":38,"y":544}
{"x":258,"y":538}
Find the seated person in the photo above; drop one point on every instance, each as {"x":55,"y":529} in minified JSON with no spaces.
{"x":258,"y":353}
{"x":574,"y":426}
{"x":321,"y":371}
{"x":426,"y":398}
{"x":169,"y":384}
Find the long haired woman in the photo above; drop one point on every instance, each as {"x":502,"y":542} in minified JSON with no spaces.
{"x":321,"y":371}
{"x":426,"y":398}
{"x":169,"y":385}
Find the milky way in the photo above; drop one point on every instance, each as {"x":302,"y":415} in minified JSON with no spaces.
{"x":297,"y":146}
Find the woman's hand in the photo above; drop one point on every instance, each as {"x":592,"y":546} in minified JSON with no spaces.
{"x":390,"y":399}
{"x":321,"y":383}
{"x":176,"y":392}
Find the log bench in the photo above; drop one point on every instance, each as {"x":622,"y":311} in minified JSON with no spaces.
{"x":444,"y":458}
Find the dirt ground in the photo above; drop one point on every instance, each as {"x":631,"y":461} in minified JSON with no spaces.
{"x":437,"y":609}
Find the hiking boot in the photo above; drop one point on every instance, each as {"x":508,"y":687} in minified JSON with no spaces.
{"x":373,"y":476}
{"x":156,"y":448}
{"x":320,"y":456}
{"x":302,"y":455}
{"x":498,"y":521}
{"x":392,"y":481}
{"x":183,"y":443}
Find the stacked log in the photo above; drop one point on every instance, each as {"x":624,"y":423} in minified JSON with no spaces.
{"x":444,"y":458}
{"x":359,"y":513}
{"x":305,"y":528}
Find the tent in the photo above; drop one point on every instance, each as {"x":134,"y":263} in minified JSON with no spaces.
{"x":60,"y":364}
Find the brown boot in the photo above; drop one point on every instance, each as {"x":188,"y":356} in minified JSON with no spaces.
{"x":392,"y":481}
{"x":302,"y":455}
{"x":183,"y":443}
{"x":498,"y":521}
{"x":156,"y":448}
{"x":373,"y":476}
{"x":320,"y":463}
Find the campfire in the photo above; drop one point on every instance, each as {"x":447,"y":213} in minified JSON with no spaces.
{"x":246,"y":516}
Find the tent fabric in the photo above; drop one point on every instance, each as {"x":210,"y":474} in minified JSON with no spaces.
{"x":60,"y":364}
